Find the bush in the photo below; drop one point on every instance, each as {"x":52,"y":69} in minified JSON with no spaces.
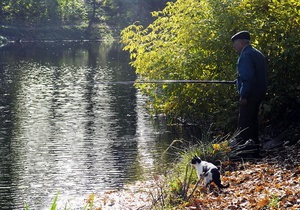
{"x":190,"y":39}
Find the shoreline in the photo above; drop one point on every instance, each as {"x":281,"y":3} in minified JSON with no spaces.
{"x":15,"y":34}
{"x":270,"y":182}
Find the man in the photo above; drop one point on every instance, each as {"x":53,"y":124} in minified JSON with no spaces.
{"x":251,"y":85}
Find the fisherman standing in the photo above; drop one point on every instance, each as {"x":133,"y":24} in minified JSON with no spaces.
{"x":251,"y":85}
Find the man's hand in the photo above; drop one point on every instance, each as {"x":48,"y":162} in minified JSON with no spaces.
{"x":243,"y":101}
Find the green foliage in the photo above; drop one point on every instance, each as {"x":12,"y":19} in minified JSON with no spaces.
{"x":53,"y":12}
{"x":274,"y":202}
{"x":54,"y":204}
{"x":190,"y":39}
{"x":70,"y":11}
{"x":33,"y":12}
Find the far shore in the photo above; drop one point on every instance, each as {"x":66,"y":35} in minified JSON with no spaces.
{"x":15,"y":34}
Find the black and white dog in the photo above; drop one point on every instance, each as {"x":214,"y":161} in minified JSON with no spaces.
{"x":209,"y":171}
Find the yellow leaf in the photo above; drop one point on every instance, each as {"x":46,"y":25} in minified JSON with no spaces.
{"x":225,"y":144}
{"x":216,"y":147}
{"x":91,"y":198}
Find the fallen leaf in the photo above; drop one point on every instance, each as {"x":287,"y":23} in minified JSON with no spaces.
{"x":259,"y":188}
{"x":263,"y":202}
{"x":91,"y":198}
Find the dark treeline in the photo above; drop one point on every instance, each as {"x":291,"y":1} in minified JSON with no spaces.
{"x":72,"y":19}
{"x":54,"y":12}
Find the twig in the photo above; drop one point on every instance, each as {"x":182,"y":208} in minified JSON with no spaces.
{"x":243,"y":162}
{"x":185,"y":188}
{"x":170,"y":146}
{"x":194,"y":189}
{"x":189,"y":180}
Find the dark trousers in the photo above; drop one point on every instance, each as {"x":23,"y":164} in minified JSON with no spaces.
{"x":248,"y":120}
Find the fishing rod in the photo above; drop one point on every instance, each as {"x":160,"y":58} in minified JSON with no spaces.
{"x":187,"y":81}
{"x":168,"y":82}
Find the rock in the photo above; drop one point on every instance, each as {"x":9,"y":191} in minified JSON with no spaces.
{"x":273,"y":143}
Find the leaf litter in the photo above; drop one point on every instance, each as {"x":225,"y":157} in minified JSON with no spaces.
{"x":269,"y":183}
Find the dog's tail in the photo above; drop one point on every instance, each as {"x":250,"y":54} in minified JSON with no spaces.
{"x":217,"y":180}
{"x":222,"y":186}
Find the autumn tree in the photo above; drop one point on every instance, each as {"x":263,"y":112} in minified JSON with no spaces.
{"x":190,"y":39}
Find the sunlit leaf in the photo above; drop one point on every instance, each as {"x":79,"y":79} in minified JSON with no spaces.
{"x":263,"y":202}
{"x":91,"y":198}
{"x":216,"y":147}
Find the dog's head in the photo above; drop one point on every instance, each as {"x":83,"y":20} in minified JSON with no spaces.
{"x":195,"y":160}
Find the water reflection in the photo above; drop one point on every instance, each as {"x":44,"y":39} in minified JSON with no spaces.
{"x":62,"y":130}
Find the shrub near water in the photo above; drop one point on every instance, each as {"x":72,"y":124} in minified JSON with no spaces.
{"x":190,"y":39}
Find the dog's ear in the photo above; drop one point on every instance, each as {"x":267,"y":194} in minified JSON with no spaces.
{"x":194,"y":159}
{"x":198,"y":159}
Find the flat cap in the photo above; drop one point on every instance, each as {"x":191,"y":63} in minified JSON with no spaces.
{"x":241,"y":35}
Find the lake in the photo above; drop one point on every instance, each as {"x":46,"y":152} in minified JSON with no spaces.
{"x":70,"y":125}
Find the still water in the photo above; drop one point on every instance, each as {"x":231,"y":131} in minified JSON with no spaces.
{"x":65,"y":129}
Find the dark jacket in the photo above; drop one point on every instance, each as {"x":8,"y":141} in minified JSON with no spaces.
{"x":252,"y":73}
